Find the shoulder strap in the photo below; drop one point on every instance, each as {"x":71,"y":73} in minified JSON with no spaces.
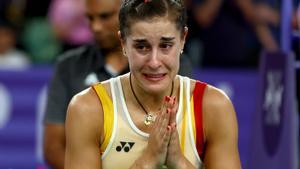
{"x":108,"y":113}
{"x":198,"y":99}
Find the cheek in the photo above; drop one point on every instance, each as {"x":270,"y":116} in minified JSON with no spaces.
{"x":112,"y":26}
{"x":174,"y":57}
{"x":135,"y":62}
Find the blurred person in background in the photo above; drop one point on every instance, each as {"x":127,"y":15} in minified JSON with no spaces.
{"x":79,"y":68}
{"x":11,"y":58}
{"x":34,"y":34}
{"x":232,"y":32}
{"x":69,"y":24}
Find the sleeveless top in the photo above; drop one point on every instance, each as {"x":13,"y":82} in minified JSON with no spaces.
{"x":124,"y":142}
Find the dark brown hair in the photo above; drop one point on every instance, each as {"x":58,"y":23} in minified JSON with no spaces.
{"x":137,"y":10}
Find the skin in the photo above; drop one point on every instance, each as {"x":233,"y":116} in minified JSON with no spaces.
{"x":153,"y":58}
{"x":7,"y":39}
{"x":154,"y":63}
{"x":103,"y":20}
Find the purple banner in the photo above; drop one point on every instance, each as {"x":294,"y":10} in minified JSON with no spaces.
{"x":22,"y":95}
{"x":274,"y":139}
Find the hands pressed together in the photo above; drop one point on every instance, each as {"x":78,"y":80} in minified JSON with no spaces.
{"x":163,"y":145}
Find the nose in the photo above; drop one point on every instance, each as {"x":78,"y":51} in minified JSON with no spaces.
{"x":96,"y":25}
{"x":154,"y":60}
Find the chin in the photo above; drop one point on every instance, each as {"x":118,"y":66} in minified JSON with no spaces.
{"x":156,"y":85}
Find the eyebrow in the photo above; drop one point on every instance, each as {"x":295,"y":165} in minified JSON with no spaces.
{"x":140,"y":40}
{"x":164,"y":39}
{"x":106,"y":14}
{"x":167,"y":39}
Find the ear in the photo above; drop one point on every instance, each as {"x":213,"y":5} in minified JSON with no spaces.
{"x":121,"y":40}
{"x":184,"y":35}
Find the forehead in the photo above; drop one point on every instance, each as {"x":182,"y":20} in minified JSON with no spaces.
{"x":101,"y":6}
{"x":153,"y":29}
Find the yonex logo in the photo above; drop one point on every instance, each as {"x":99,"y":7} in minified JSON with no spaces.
{"x":126,"y":146}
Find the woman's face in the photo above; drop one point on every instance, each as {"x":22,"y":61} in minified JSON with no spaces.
{"x":153,"y":49}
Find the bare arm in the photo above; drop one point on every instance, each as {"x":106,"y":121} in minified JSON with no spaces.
{"x":206,"y":12}
{"x":221,"y":131}
{"x":260,"y":16}
{"x":266,"y":38}
{"x":258,"y":13}
{"x":54,"y":145}
{"x":84,"y":125}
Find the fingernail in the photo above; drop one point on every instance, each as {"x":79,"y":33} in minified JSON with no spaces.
{"x":168,"y":110}
{"x":174,"y":124}
{"x":168,"y":127}
{"x":167,"y":98}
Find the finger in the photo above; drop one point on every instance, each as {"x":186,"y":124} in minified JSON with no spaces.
{"x":165,"y":104}
{"x":167,"y":136}
{"x":169,"y":101}
{"x":165,"y":120}
{"x":169,"y":104}
{"x":174,"y":111}
{"x":155,"y":126}
{"x":174,"y":138}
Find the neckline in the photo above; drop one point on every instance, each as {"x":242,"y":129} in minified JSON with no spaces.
{"x":149,"y":118}
{"x":128,"y":116}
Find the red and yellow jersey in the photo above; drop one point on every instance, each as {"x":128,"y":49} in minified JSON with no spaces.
{"x":124,"y":142}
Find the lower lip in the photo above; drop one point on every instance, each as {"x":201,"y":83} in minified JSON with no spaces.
{"x":155,"y":78}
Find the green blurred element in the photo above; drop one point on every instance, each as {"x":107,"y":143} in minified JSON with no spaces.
{"x":40,"y":42}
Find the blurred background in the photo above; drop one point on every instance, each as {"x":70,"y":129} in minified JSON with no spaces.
{"x":248,"y":48}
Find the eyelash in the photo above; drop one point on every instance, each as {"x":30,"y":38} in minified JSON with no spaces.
{"x":142,"y":47}
{"x":164,"y":46}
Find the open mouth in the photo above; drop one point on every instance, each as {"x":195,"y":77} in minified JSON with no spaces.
{"x":154,"y":77}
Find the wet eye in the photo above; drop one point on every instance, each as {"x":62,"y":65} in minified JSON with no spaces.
{"x":166,"y":45}
{"x":142,"y":47}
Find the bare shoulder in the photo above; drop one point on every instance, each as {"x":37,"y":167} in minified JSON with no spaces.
{"x":215,"y":98}
{"x":85,"y":102}
{"x":84,"y":130}
{"x":216,"y":104}
{"x":218,"y":112}
{"x":85,"y":109}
